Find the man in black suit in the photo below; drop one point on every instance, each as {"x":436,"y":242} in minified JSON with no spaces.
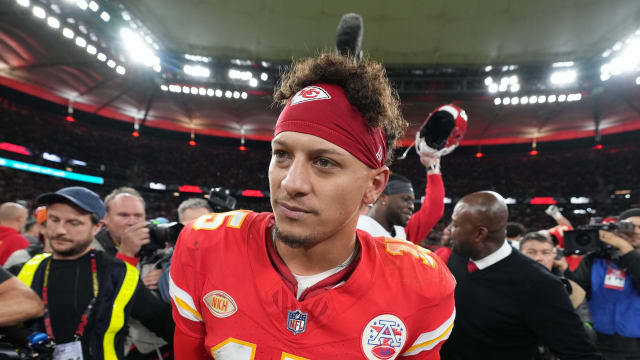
{"x":507,"y":304}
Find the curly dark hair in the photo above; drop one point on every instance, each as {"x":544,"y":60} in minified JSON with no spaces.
{"x":365,"y":84}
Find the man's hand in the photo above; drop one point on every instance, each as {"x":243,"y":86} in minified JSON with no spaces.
{"x":553,"y":211}
{"x":432,"y":163}
{"x":561,"y":264}
{"x":151,"y":279}
{"x":617,"y":241}
{"x":133,"y":238}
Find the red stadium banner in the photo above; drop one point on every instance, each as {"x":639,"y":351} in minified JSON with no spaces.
{"x":542,"y":201}
{"x":190,"y":189}
{"x":252,"y":193}
{"x":18,"y":149}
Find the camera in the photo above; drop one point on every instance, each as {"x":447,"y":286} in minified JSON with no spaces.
{"x":586,"y":239}
{"x":159,"y":236}
{"x":220,"y":200}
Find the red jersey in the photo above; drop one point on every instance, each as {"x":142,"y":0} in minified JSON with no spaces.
{"x":226,"y":289}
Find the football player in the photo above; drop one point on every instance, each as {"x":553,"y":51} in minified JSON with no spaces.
{"x":302,"y":282}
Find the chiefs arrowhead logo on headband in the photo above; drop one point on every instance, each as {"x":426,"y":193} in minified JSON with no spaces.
{"x":310,"y":93}
{"x":334,"y":120}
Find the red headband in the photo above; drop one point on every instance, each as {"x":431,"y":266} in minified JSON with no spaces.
{"x":323,"y":110}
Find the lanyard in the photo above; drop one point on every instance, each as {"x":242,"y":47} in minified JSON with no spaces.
{"x":85,"y":316}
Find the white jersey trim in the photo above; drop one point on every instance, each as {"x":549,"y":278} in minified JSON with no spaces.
{"x":429,"y":340}
{"x":183,"y":302}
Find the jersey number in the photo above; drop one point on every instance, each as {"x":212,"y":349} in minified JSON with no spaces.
{"x":241,"y":350}
{"x":401,"y":247}
{"x":214,"y":221}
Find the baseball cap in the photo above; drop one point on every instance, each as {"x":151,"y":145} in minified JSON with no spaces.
{"x":78,"y":195}
{"x":629,"y":213}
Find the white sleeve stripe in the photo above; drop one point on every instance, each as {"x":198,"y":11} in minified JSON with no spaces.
{"x":429,"y":340}
{"x":183,"y":302}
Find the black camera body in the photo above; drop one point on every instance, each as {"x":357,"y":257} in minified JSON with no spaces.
{"x":220,"y":200}
{"x":159,"y":236}
{"x":586,"y":239}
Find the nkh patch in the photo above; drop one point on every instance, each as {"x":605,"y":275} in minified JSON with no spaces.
{"x":220,"y":304}
{"x":383,"y":337}
{"x":310,"y":93}
{"x":297,"y":321}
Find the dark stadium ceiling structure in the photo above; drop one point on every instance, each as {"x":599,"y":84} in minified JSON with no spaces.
{"x":126,"y":60}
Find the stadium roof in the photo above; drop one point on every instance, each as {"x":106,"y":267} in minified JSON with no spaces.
{"x":37,"y":58}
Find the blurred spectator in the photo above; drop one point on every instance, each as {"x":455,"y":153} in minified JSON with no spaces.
{"x":17,"y":302}
{"x":506,"y":304}
{"x":514,"y":233}
{"x":392,"y":213}
{"x":88,"y":294}
{"x":192,"y":209}
{"x":13,"y":217}
{"x":15,"y":261}
{"x":611,"y":279}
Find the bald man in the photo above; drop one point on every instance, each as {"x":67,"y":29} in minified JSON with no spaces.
{"x":507,"y":304}
{"x":13,"y":217}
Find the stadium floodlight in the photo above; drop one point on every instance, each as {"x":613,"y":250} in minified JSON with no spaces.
{"x":94,"y":6}
{"x":488,"y":81}
{"x":91,"y":49}
{"x":218,"y":93}
{"x":228,"y":94}
{"x":105,"y":16}
{"x":53,"y":22}
{"x":82,"y":4}
{"x":606,"y":53}
{"x":493,"y":88}
{"x":504,"y":80}
{"x":157,"y":68}
{"x":515,"y":100}
{"x":503,"y":86}
{"x":102,"y":57}
{"x":164,"y":87}
{"x":524,"y":100}
{"x":202,"y":91}
{"x":39,"y":12}
{"x":551,"y":99}
{"x":542,"y":99}
{"x":236,"y":95}
{"x":175,"y":88}
{"x":111,"y":63}
{"x":210,"y":92}
{"x":561,"y":64}
{"x":80,"y":41}
{"x":617,"y":46}
{"x":137,"y":48}
{"x":196,"y":70}
{"x":194,"y":90}
{"x":121,"y":70}
{"x":488,"y":68}
{"x":253,"y":82}
{"x":185,"y":89}
{"x":638,"y":80}
{"x":562,"y":97}
{"x":563,"y":77}
{"x":264,"y":76}
{"x":243,"y":95}
{"x":506,"y":101}
{"x":24,"y":3}
{"x":497,"y":101}
{"x":126,"y":16}
{"x":605,"y":76}
{"x":515,"y":88}
{"x":513,"y":80}
{"x":533,"y":99}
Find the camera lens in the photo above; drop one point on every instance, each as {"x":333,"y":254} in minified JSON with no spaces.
{"x":583,"y":239}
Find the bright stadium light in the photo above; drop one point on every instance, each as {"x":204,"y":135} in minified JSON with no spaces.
{"x":202,"y":91}
{"x":497,"y":101}
{"x":493,"y":88}
{"x":185,"y":89}
{"x":506,"y":101}
{"x":218,"y":93}
{"x":503,"y":86}
{"x":105,"y":16}
{"x":194,"y":90}
{"x":253,"y":82}
{"x":53,"y":22}
{"x":137,"y":48}
{"x":175,"y":88}
{"x":515,"y":88}
{"x":563,"y":77}
{"x":605,"y":76}
{"x":102,"y":57}
{"x":513,"y":80}
{"x":82,"y":4}
{"x":91,"y":49}
{"x":561,"y":64}
{"x":562,"y":97}
{"x":524,"y":100}
{"x":551,"y":98}
{"x":488,"y":81}
{"x":111,"y":63}
{"x":264,"y":76}
{"x":542,"y":99}
{"x":196,"y":70}
{"x":236,"y":95}
{"x":638,"y":80}
{"x":24,"y":3}
{"x":81,"y":41}
{"x":243,"y":95}
{"x":515,"y":100}
{"x":533,"y":99}
{"x":164,"y":87}
{"x":488,"y":68}
{"x":210,"y":92}
{"x":228,"y":94}
{"x":94,"y":6}
{"x":157,"y":68}
{"x":39,"y":12}
{"x":120,"y":70}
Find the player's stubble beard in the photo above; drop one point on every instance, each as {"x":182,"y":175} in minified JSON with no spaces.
{"x":294,"y":241}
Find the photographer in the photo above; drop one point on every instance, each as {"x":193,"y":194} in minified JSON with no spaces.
{"x":611,"y":279}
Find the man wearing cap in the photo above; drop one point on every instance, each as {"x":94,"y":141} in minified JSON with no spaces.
{"x":302,"y":282}
{"x":612,"y":283}
{"x":88,"y":295}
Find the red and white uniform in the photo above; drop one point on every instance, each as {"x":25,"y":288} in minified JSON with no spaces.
{"x":395,"y":300}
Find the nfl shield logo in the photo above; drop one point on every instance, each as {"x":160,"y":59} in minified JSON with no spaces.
{"x":297,"y":322}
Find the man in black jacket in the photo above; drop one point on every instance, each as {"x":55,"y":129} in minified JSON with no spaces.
{"x":506,"y":303}
{"x":88,"y":294}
